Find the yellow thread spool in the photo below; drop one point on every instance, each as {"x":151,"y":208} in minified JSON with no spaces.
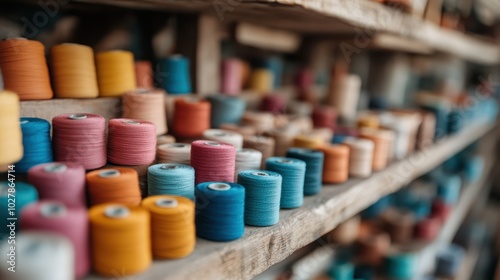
{"x":115,"y":72}
{"x":261,"y":80}
{"x":11,"y":145}
{"x":172,"y":225}
{"x":73,"y":71}
{"x":302,"y":141}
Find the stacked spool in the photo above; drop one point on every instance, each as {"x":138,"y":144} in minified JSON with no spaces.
{"x":146,"y":105}
{"x":360,"y":157}
{"x":115,"y":73}
{"x":11,"y":145}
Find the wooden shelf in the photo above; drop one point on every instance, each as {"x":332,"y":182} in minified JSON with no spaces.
{"x":262,"y":247}
{"x":330,"y":17}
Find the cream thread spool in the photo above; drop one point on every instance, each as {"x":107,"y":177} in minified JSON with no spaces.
{"x":174,"y":153}
{"x":344,"y":95}
{"x":247,"y":159}
{"x":361,"y":156}
{"x":382,"y":141}
{"x":147,"y":105}
{"x":261,"y":121}
{"x":284,"y":139}
{"x":224,"y":136}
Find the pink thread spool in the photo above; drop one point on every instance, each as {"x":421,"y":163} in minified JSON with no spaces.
{"x":275,"y":104}
{"x":72,"y":223}
{"x":231,"y":76}
{"x":80,"y":138}
{"x":131,"y":142}
{"x":324,"y":116}
{"x":213,"y":161}
{"x":64,"y":182}
{"x":304,"y":79}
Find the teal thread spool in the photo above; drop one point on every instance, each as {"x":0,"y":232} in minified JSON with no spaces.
{"x":171,"y":179}
{"x":293,"y":173}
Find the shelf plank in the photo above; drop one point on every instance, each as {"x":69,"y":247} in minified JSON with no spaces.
{"x":331,"y":17}
{"x":262,"y":247}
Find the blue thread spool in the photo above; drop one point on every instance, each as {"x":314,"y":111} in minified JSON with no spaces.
{"x":341,"y":271}
{"x":448,"y":188}
{"x":338,"y":138}
{"x":474,"y":169}
{"x":293,"y":173}
{"x":262,"y":197}
{"x":401,"y":265}
{"x":314,"y":168}
{"x":449,"y":261}
{"x":421,"y":208}
{"x":174,"y":75}
{"x":220,"y":211}
{"x":225,"y":109}
{"x":275,"y":65}
{"x":377,"y":208}
{"x":364,"y":272}
{"x":24,"y":195}
{"x":404,"y":198}
{"x":36,"y":143}
{"x":171,"y":179}
{"x":455,"y":121}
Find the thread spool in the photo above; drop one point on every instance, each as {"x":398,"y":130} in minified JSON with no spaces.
{"x":325,"y":134}
{"x":74,"y":71}
{"x":336,"y":163}
{"x":117,"y":185}
{"x":40,"y":253}
{"x":274,"y":104}
{"x":244,"y":130}
{"x":441,"y":210}
{"x":261,"y":121}
{"x":314,"y":168}
{"x":400,"y":265}
{"x":228,"y":137}
{"x":374,"y":210}
{"x":131,"y":142}
{"x":343,"y":95}
{"x":405,"y":126}
{"x":341,"y":271}
{"x":473,"y":169}
{"x":115,"y":72}
{"x":86,"y":132}
{"x":427,"y":229}
{"x":191,"y":119}
{"x":164,"y":139}
{"x":11,"y":144}
{"x":72,"y":223}
{"x":308,"y":142}
{"x":283,"y":137}
{"x":36,"y":143}
{"x":368,"y":121}
{"x":448,"y":261}
{"x":225,"y":109}
{"x":146,"y":105}
{"x":64,"y":182}
{"x":174,"y":153}
{"x":372,"y":248}
{"x":304,"y":124}
{"x":24,"y":69}
{"x":112,"y":227}
{"x":324,"y":116}
{"x":304,"y":79}
{"x":399,"y":224}
{"x":231,"y":76}
{"x":293,"y":173}
{"x":172,"y":226}
{"x":175,"y":78}
{"x":25,"y":194}
{"x":262,"y":196}
{"x":261,"y":80}
{"x":171,"y":179}
{"x":275,"y":65}
{"x":426,"y":130}
{"x":346,"y":232}
{"x":381,"y":146}
{"x":298,"y":108}
{"x":220,"y":211}
{"x":448,"y":189}
{"x":203,"y":156}
{"x":263,"y":144}
{"x":360,"y":156}
{"x":143,"y":74}
{"x":247,"y":159}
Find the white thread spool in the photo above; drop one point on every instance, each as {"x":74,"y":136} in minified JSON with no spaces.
{"x":224,"y":136}
{"x":261,"y":121}
{"x":174,"y":153}
{"x":38,"y":256}
{"x":247,"y":159}
{"x":164,"y":139}
{"x":405,"y":129}
{"x":360,"y":157}
{"x":344,"y":95}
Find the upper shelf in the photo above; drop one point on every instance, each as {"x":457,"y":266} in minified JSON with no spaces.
{"x":262,"y":247}
{"x":331,"y":16}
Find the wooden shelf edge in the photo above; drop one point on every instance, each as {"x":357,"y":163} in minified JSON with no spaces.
{"x":262,"y":247}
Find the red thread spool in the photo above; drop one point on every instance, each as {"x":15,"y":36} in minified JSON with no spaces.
{"x":428,"y":229}
{"x":232,"y":74}
{"x":72,"y":223}
{"x":131,"y":142}
{"x":144,"y":74}
{"x":304,"y":79}
{"x":64,"y":182}
{"x":80,"y":138}
{"x":324,"y":116}
{"x":440,"y":210}
{"x":273,"y":103}
{"x":213,"y":161}
{"x":191,"y":118}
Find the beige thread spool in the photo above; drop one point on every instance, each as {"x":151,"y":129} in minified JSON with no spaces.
{"x":147,"y":105}
{"x":244,"y":130}
{"x":224,"y":136}
{"x":326,"y":134}
{"x":283,"y":138}
{"x":261,"y":121}
{"x":344,"y":94}
{"x":399,"y":224}
{"x":304,"y":124}
{"x":265,"y":145}
{"x":361,"y":156}
{"x":164,"y":139}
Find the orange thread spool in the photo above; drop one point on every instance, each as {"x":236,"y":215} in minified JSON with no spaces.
{"x":308,"y":142}
{"x":336,"y":163}
{"x":117,"y":185}
{"x":73,"y":71}
{"x":172,"y":225}
{"x":120,"y":239}
{"x":24,"y":69}
{"x":143,"y":74}
{"x":381,"y":148}
{"x":191,"y":118}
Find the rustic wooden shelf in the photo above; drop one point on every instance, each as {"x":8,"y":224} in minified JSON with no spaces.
{"x":330,"y":17}
{"x":262,"y":247}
